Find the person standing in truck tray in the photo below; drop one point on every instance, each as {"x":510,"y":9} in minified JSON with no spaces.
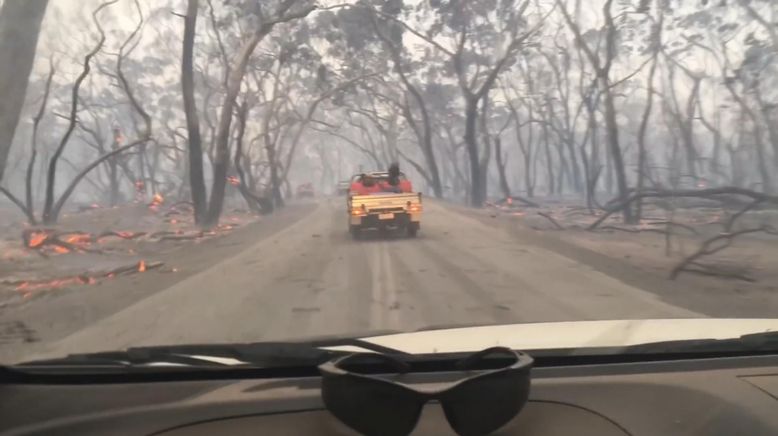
{"x":395,"y":182}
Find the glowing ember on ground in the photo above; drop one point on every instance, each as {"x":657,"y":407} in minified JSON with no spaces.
{"x":27,"y":287}
{"x":37,"y":239}
{"x":156,"y":201}
{"x":60,"y":249}
{"x":234,"y":181}
{"x":141,"y":266}
{"x":82,"y":239}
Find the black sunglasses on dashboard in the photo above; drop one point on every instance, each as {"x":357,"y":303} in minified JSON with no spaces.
{"x":476,"y":405}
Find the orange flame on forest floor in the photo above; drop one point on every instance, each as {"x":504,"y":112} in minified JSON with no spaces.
{"x":79,"y":239}
{"x":156,"y":201}
{"x":234,"y":181}
{"x":28,"y":287}
{"x":37,"y":239}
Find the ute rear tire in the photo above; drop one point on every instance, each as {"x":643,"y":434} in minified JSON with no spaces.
{"x":412,"y":229}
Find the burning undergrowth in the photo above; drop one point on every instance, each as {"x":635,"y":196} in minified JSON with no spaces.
{"x":127,"y":242}
{"x":26,"y":287}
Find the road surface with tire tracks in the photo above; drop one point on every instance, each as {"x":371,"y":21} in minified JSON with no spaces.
{"x":312,"y":279}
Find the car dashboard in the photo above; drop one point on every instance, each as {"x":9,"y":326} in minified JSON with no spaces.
{"x":722,"y":396}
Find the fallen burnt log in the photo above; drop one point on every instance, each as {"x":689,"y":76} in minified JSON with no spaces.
{"x":87,"y":208}
{"x":713,"y":246}
{"x":35,"y":237}
{"x":140,"y":266}
{"x":62,"y":242}
{"x":119,"y":234}
{"x":552,"y":220}
{"x":27,"y":286}
{"x":717,"y":271}
{"x":509,"y":201}
{"x":179,"y":208}
{"x":685,"y":193}
{"x":675,"y":224}
{"x":183,"y":237}
{"x":33,"y":285}
{"x":645,"y":227}
{"x":576,"y":210}
{"x":630,"y":230}
{"x":262,"y":204}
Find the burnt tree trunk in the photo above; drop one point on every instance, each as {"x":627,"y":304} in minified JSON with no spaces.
{"x":764,"y":172}
{"x":570,"y":142}
{"x":504,"y":187}
{"x":471,"y":143}
{"x":641,"y":175}
{"x":603,"y":69}
{"x":615,"y":149}
{"x":20,"y":23}
{"x":425,"y":136}
{"x":275,"y":180}
{"x":237,"y":72}
{"x":687,"y":131}
{"x":195,"y":152}
{"x":113,"y":180}
{"x":36,"y":120}
{"x":549,"y":163}
{"x":50,"y":211}
{"x":564,"y":170}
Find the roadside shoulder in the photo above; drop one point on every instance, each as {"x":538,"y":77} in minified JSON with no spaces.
{"x":688,"y":292}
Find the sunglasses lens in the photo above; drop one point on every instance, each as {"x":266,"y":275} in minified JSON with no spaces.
{"x":483,"y":405}
{"x":370,"y":407}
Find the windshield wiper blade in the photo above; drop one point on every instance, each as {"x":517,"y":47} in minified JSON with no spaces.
{"x":121,"y":359}
{"x":268,"y":354}
{"x":255,"y":355}
{"x":764,"y":341}
{"x":262,"y":354}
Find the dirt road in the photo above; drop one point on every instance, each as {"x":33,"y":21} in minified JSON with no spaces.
{"x":312,"y":279}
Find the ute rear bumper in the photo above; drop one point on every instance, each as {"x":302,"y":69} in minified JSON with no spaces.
{"x":382,"y":220}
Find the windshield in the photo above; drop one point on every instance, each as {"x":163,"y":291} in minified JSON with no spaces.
{"x":210,"y":172}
